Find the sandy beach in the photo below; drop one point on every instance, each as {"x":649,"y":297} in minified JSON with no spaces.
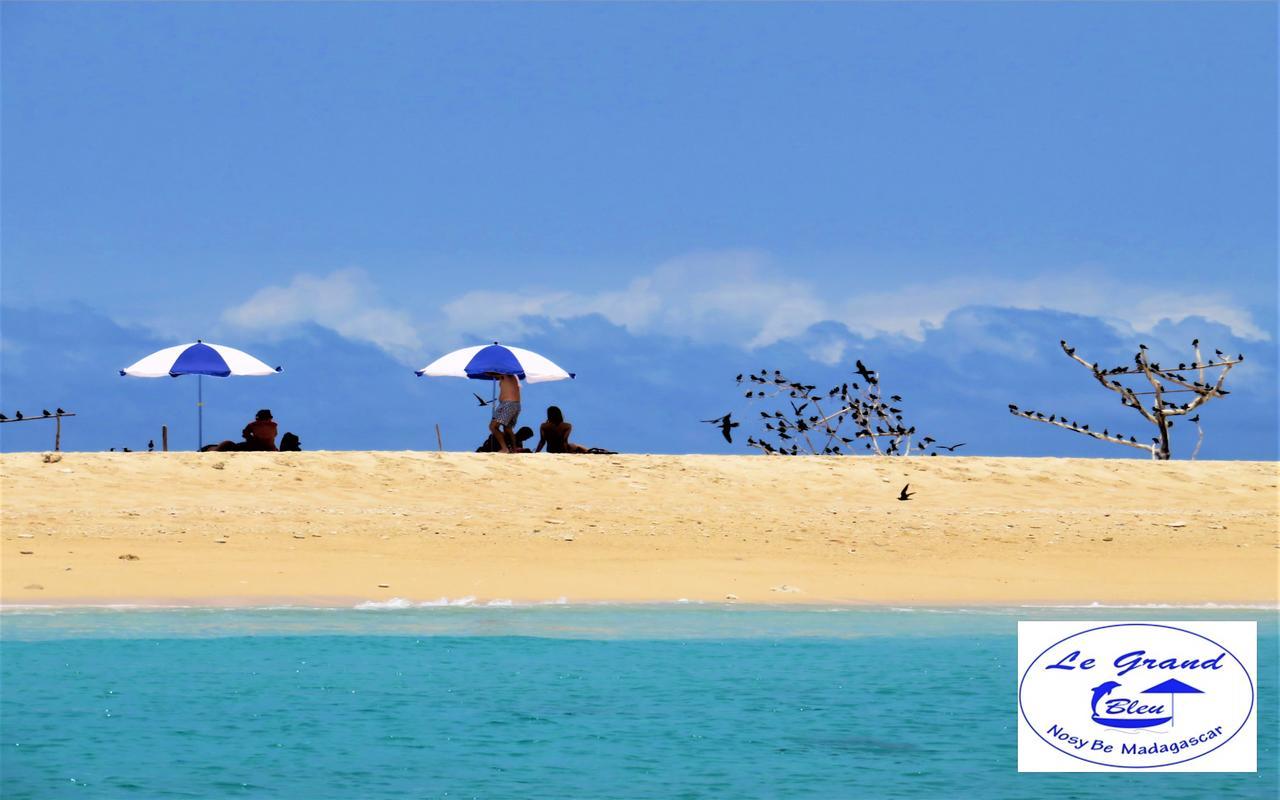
{"x":330,"y":528}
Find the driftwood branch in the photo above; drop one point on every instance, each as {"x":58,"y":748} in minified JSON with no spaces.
{"x":1163,"y":381}
{"x":40,"y":417}
{"x":1104,"y":436}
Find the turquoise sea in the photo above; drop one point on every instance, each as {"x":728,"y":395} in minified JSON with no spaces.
{"x":678,"y":701}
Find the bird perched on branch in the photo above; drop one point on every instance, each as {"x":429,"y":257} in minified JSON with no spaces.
{"x":45,"y":413}
{"x":726,"y":424}
{"x":60,"y":412}
{"x":18,"y":414}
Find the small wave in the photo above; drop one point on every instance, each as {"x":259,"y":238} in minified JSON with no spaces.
{"x":375,"y":605}
{"x":25,"y":607}
{"x":396,"y":603}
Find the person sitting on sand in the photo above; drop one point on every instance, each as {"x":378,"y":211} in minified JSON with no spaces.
{"x":258,"y":435}
{"x":554,"y":434}
{"x":261,"y":433}
{"x":505,"y":413}
{"x":522,"y":437}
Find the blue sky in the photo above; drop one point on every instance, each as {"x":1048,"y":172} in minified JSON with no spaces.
{"x":661,"y":195}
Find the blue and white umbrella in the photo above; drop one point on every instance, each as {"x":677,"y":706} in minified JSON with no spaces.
{"x":484,"y":362}
{"x":198,"y":358}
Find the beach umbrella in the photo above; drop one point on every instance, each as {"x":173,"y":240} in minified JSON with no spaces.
{"x":198,"y":358}
{"x":483,"y":362}
{"x":1171,"y":687}
{"x":486,"y":361}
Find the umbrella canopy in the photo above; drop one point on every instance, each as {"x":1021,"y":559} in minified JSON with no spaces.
{"x":483,"y":362}
{"x":198,"y":358}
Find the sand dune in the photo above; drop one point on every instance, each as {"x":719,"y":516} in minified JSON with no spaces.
{"x":337,"y":528}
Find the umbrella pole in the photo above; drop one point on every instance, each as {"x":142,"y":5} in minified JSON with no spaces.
{"x":200,"y":412}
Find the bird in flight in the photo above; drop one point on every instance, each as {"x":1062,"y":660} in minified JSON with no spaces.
{"x":480,"y":399}
{"x":867,"y":375}
{"x":726,"y":424}
{"x":904,"y":494}
{"x":951,"y":448}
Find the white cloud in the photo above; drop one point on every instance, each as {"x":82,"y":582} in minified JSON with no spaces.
{"x":909,"y":310}
{"x":729,"y":297}
{"x":736,"y":298}
{"x":345,"y":301}
{"x":712,"y":297}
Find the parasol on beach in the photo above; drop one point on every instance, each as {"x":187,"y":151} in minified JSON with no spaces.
{"x":484,"y":362}
{"x":198,"y":358}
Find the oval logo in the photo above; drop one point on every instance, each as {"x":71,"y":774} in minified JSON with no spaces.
{"x":1137,"y":695}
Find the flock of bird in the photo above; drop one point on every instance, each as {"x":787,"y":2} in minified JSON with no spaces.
{"x":873,"y":418}
{"x":18,"y":415}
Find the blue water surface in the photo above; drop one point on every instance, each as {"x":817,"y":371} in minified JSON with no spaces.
{"x":546,"y":702}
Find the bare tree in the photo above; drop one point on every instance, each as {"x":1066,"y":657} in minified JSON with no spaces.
{"x":833,"y":422}
{"x":1164,"y":381}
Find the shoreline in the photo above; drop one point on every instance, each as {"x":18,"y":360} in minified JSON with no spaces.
{"x":498,"y":604}
{"x":336,"y":529}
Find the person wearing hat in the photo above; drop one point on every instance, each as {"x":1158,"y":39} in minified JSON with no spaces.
{"x":261,"y":433}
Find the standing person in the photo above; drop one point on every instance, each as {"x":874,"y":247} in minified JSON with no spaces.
{"x":505,"y":413}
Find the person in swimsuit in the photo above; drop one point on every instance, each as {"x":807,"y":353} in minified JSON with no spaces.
{"x":505,"y":413}
{"x":554,"y":434}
